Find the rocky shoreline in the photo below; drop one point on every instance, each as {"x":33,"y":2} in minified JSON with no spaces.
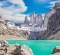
{"x":56,"y":51}
{"x":15,"y":49}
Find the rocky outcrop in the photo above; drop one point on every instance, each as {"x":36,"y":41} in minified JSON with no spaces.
{"x":8,"y":29}
{"x":56,"y":51}
{"x":47,"y":17}
{"x":39,"y":20}
{"x":37,"y":28}
{"x":14,"y":49}
{"x":26,"y":21}
{"x":53,"y":22}
{"x":36,"y":19}
{"x":32,"y":18}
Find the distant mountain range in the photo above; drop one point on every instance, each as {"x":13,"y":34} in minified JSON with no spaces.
{"x":52,"y":23}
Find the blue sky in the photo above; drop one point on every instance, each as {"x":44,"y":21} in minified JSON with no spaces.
{"x":16,"y":10}
{"x":38,"y":6}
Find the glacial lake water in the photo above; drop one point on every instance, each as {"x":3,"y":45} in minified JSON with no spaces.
{"x":39,"y":47}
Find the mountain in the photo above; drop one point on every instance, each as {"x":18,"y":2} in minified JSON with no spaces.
{"x":39,"y":20}
{"x":36,"y":19}
{"x":53,"y":22}
{"x":26,"y":21}
{"x":8,"y":30}
{"x":32,"y":18}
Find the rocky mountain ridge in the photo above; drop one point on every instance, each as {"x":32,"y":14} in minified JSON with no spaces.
{"x":9,"y":30}
{"x":50,"y":26}
{"x":51,"y":22}
{"x":53,"y":25}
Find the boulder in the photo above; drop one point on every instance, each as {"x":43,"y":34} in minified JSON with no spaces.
{"x":56,"y":51}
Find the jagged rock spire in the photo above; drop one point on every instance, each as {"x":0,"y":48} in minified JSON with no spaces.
{"x":32,"y":18}
{"x":39,"y":20}
{"x":26,"y":21}
{"x":1,"y":19}
{"x":57,"y":5}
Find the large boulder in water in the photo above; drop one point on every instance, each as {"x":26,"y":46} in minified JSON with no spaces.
{"x":56,"y":50}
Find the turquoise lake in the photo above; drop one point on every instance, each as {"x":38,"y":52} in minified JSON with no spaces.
{"x":39,"y":47}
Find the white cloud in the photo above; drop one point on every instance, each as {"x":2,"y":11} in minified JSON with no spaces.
{"x":52,"y":4}
{"x":15,"y":18}
{"x":1,"y":3}
{"x":3,"y":11}
{"x":17,"y":2}
{"x":7,"y":11}
{"x":13,"y":8}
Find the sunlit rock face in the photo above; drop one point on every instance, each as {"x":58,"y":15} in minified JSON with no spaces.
{"x":32,"y":18}
{"x":37,"y":27}
{"x":26,"y":21}
{"x":19,"y":50}
{"x":26,"y":50}
{"x":15,"y":49}
{"x":39,"y":20}
{"x":36,"y":19}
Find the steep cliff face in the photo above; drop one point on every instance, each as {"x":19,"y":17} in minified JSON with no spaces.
{"x":53,"y":24}
{"x":54,"y":21}
{"x":47,"y":17}
{"x":26,"y":21}
{"x":39,"y":20}
{"x":32,"y":18}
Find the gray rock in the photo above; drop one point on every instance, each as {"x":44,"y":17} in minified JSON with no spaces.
{"x":56,"y":51}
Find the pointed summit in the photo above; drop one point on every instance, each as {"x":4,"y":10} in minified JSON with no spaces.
{"x":1,"y":20}
{"x":39,"y":20}
{"x":32,"y":18}
{"x":57,"y":5}
{"x":26,"y":21}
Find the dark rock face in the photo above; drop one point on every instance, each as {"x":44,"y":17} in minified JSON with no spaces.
{"x":56,"y":51}
{"x":53,"y":25}
{"x":17,"y":51}
{"x":35,"y":35}
{"x":54,"y":21}
{"x":26,"y":21}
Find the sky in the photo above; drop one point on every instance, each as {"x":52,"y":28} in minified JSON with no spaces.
{"x":16,"y":10}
